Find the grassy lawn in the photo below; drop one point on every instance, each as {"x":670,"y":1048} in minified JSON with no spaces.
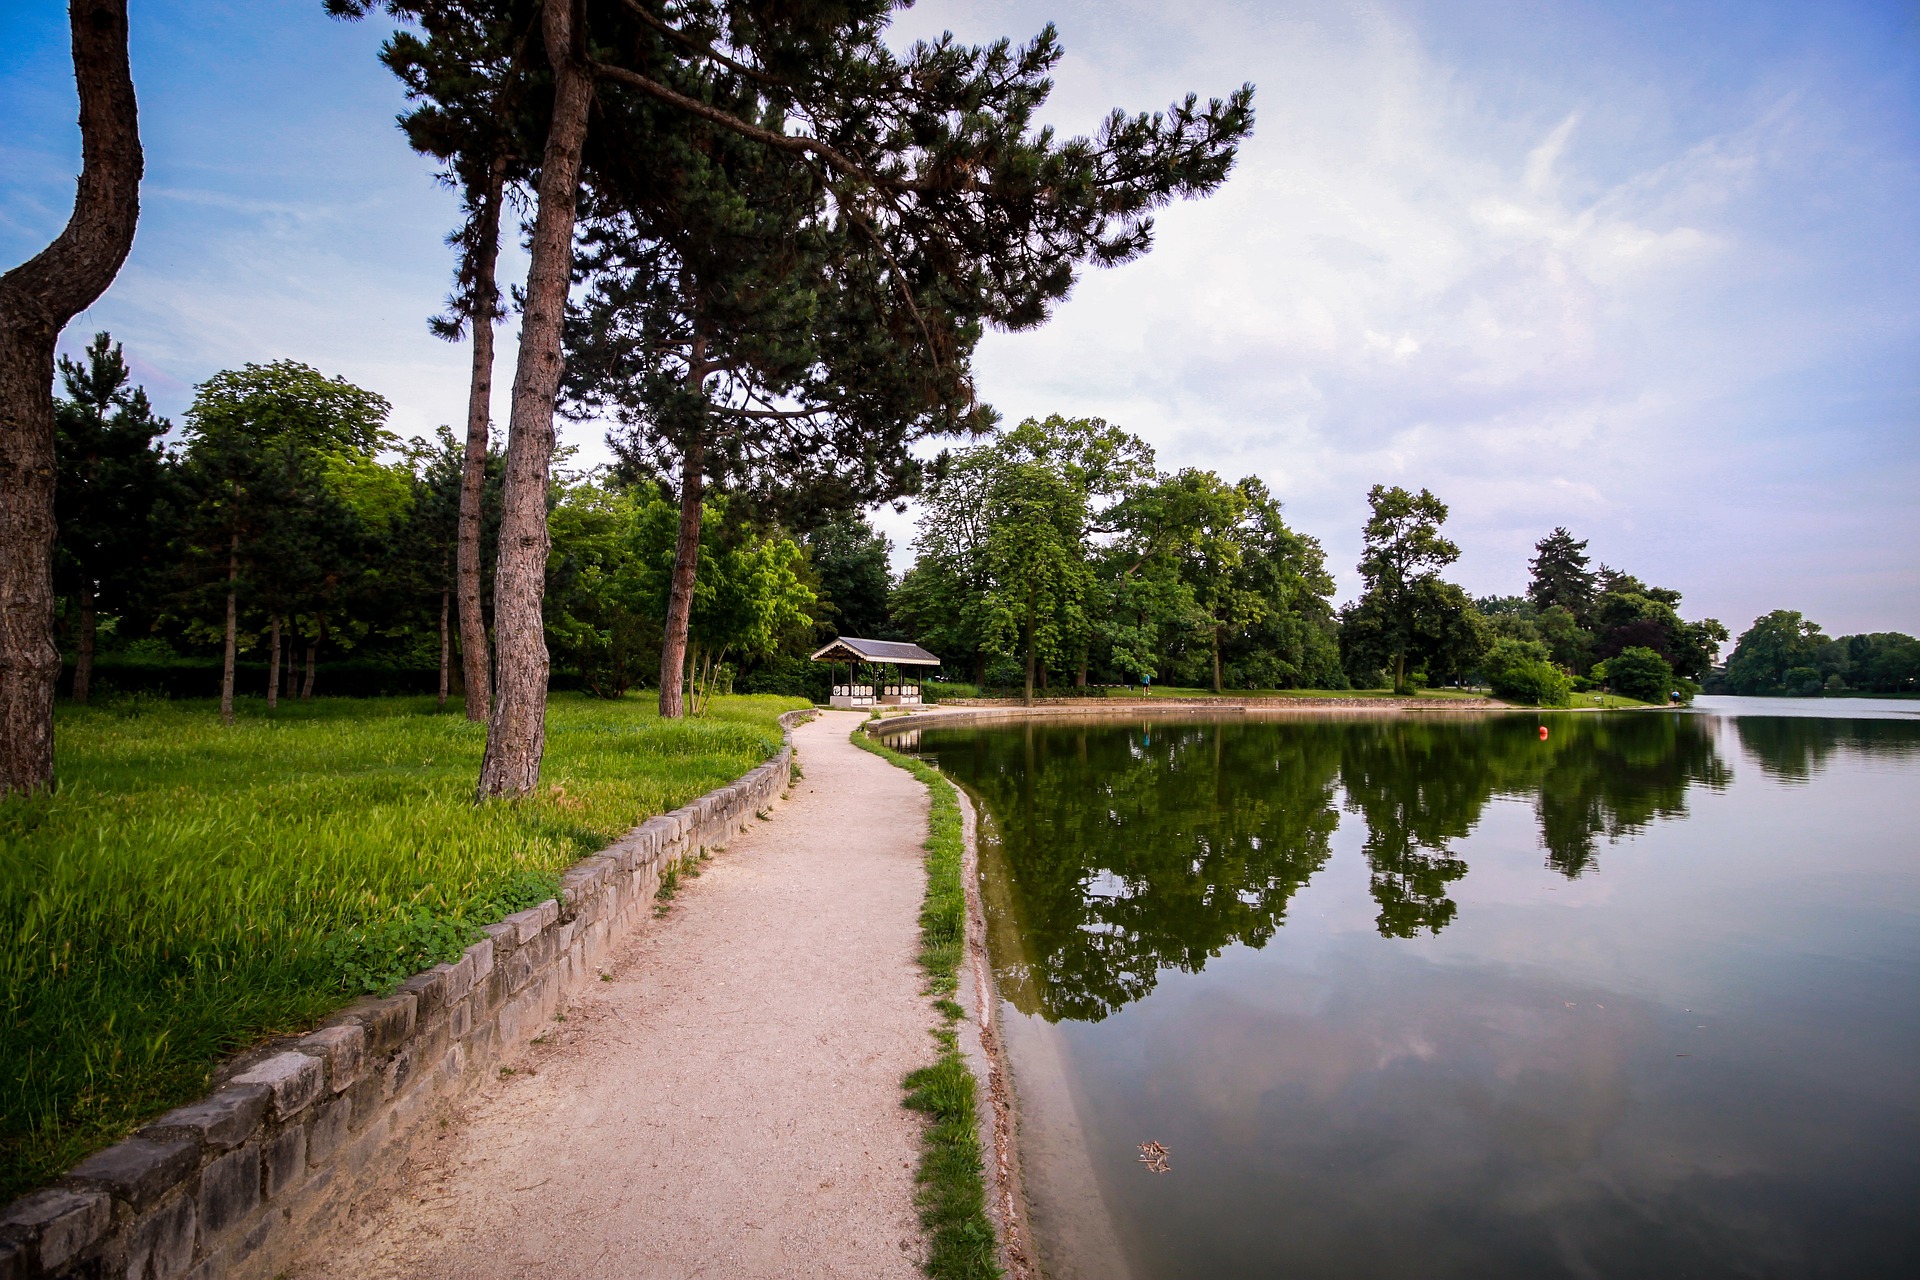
{"x":1607,"y":701}
{"x":191,"y":889}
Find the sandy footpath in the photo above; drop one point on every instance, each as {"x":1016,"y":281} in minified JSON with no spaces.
{"x":730,"y":1104}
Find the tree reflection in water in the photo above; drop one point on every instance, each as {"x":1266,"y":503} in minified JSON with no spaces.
{"x":1795,"y":748}
{"x":1134,"y":848}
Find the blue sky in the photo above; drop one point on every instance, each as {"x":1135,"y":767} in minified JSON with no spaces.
{"x":1645,"y":270}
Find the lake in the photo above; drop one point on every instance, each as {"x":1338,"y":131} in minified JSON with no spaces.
{"x":1429,"y":995}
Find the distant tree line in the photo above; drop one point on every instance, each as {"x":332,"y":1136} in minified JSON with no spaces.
{"x":286,"y":532}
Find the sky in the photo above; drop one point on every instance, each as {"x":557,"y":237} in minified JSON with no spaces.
{"x":1644,"y":270}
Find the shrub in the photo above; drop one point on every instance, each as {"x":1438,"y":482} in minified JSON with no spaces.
{"x":1641,"y":673}
{"x":1804,"y":682}
{"x":1519,"y":671}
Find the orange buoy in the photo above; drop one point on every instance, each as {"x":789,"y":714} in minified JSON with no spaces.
{"x":1543,"y":733}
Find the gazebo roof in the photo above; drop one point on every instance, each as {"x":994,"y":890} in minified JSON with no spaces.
{"x":897,"y":653}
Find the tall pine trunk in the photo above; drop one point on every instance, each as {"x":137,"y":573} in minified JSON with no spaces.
{"x":686,"y":552}
{"x":83,"y":648}
{"x":517,"y":729}
{"x":273,"y":665}
{"x":233,"y":618}
{"x":475,"y":665}
{"x":445,"y":647}
{"x":37,"y":299}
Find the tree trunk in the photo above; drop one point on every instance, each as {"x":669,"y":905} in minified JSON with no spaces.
{"x":37,"y":299}
{"x":1216,"y":660}
{"x":1080,"y":676}
{"x":273,"y":665}
{"x":233,"y":618}
{"x":517,"y":730}
{"x":83,"y":649}
{"x":1400,"y":671}
{"x":445,"y":648}
{"x":286,"y":688}
{"x":1030,"y":654}
{"x":313,"y":660}
{"x":475,"y":666}
{"x":686,"y":552}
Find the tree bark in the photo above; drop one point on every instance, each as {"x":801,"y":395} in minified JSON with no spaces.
{"x":83,"y":649}
{"x":475,"y":659}
{"x":686,"y":560}
{"x":1030,"y":653}
{"x":516,"y":731}
{"x":273,"y":665}
{"x":37,"y":299}
{"x":233,"y":618}
{"x":445,"y":647}
{"x":1216,"y":660}
{"x":313,"y":661}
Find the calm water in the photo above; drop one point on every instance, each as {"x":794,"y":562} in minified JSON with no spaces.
{"x":1426,"y":997}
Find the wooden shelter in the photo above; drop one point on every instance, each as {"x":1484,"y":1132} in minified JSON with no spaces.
{"x":880,"y":673}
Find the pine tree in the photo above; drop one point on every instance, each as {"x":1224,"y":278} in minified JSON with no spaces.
{"x":1561,"y":576}
{"x":110,"y":476}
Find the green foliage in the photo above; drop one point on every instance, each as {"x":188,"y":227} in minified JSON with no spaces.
{"x":1407,"y":616}
{"x":1561,"y":578}
{"x":1640,"y":673}
{"x":951,"y":1177}
{"x":1770,"y":649}
{"x":1521,"y":671}
{"x":855,"y":576}
{"x":191,"y":889}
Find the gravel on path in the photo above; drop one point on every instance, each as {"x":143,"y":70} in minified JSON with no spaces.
{"x":729,"y":1105}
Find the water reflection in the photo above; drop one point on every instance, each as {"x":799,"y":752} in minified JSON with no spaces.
{"x":1132,"y":849}
{"x":1795,"y":748}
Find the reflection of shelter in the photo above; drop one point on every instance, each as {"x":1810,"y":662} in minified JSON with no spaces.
{"x":880,"y":673}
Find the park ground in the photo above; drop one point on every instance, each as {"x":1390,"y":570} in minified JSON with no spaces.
{"x":191,"y":889}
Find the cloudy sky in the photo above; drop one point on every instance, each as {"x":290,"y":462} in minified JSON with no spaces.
{"x":1645,"y":270}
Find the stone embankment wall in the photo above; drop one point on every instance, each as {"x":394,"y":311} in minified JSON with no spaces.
{"x":232,"y":1185}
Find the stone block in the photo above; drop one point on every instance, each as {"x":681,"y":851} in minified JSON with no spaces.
{"x":225,"y":1118}
{"x":519,"y":969}
{"x":294,"y":1079}
{"x":429,"y":992}
{"x":139,"y":1170}
{"x":368,"y":1096}
{"x":331,"y":1120}
{"x":398,"y":1072}
{"x":56,"y":1224}
{"x":456,"y":980}
{"x":526,"y":925}
{"x":481,"y":953}
{"x":161,"y":1246}
{"x":285,"y":1159}
{"x":13,"y":1260}
{"x":505,"y":936}
{"x":229,"y":1189}
{"x":460,"y":1020}
{"x":389,"y":1022}
{"x":344,"y":1050}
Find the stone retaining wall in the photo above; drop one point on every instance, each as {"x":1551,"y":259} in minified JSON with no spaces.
{"x":232,"y":1185}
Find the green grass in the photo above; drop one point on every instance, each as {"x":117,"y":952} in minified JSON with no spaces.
{"x":190,"y":889}
{"x":1605,"y":701}
{"x":953,"y":1192}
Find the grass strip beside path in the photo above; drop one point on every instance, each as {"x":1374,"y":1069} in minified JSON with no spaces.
{"x":191,"y":889}
{"x":953,"y":1192}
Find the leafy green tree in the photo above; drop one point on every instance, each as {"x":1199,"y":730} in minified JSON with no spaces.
{"x":1032,"y":555}
{"x":1640,"y":673}
{"x":1293,"y":643}
{"x":259,"y":441}
{"x":111,"y":474}
{"x":1774,"y":645}
{"x":1560,"y":574}
{"x":1403,"y":612}
{"x":856,"y":577}
{"x":1522,"y":671}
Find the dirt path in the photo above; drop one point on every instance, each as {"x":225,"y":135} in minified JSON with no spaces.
{"x":730,"y":1104}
